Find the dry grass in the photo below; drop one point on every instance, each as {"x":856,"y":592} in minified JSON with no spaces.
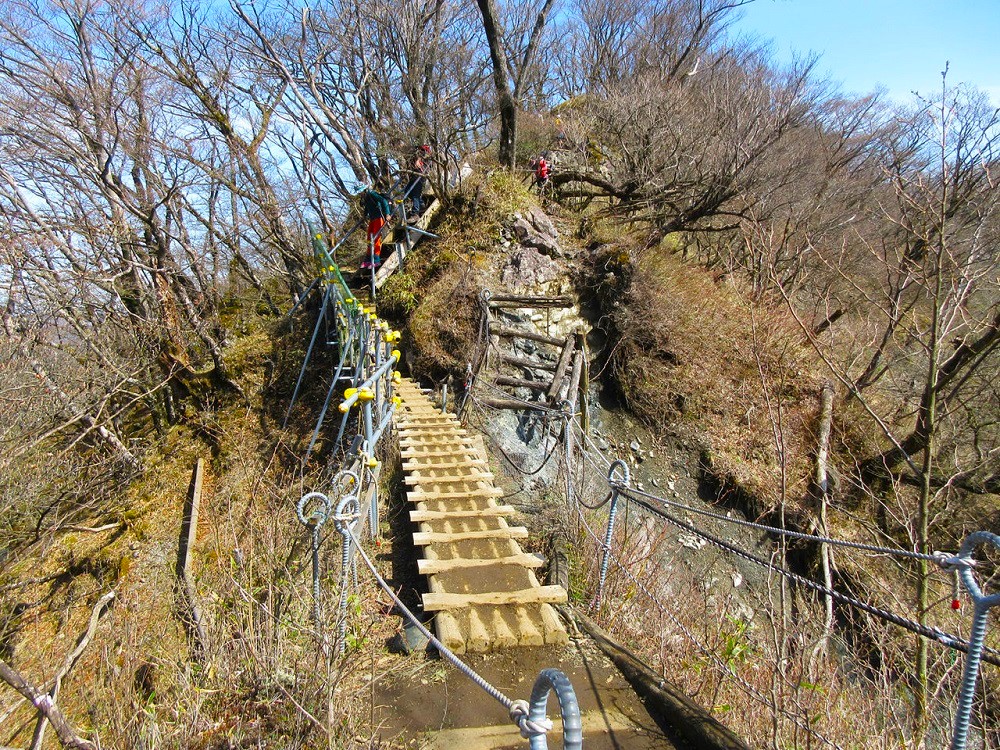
{"x":697,"y":357}
{"x":263,"y":678}
{"x":437,"y":292}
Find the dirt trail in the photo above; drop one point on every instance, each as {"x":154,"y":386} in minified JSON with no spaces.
{"x":427,"y":703}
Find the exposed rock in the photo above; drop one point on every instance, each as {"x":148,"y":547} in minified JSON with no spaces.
{"x":536,"y":230}
{"x":527,"y":269}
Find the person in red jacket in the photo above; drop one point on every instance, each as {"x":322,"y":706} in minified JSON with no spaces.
{"x":542,"y":170}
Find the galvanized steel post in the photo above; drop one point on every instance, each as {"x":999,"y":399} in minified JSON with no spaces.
{"x":612,"y":513}
{"x":977,"y":637}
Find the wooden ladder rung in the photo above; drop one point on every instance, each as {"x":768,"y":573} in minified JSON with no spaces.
{"x":430,"y":567}
{"x":417,"y":479}
{"x":440,"y":515}
{"x":423,"y":538}
{"x":419,"y":497}
{"x":537,"y":595}
{"x":464,"y":462}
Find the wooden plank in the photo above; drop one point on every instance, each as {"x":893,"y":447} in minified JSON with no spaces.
{"x":503,"y":332}
{"x":536,"y":595}
{"x":422,"y":430}
{"x":557,"y":379}
{"x":417,"y":444}
{"x":527,"y":300}
{"x":535,"y":385}
{"x":430,"y":567}
{"x":463,"y":464}
{"x":423,"y":538}
{"x":416,"y":431}
{"x":416,"y":479}
{"x":529,"y":363}
{"x":419,"y":497}
{"x":408,"y":419}
{"x":431,"y":452}
{"x":437,"y":515}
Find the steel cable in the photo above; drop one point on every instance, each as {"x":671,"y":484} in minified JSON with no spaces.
{"x":931,"y":633}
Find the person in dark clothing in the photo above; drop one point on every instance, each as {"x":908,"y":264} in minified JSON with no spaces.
{"x":419,"y":166}
{"x":377,"y":210}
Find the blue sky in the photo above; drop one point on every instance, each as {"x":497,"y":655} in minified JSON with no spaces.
{"x":901,"y":45}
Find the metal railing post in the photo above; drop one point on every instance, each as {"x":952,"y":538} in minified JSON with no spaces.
{"x":612,"y":513}
{"x":532,"y":719}
{"x":346,"y":514}
{"x":977,"y":637}
{"x":314,"y":522}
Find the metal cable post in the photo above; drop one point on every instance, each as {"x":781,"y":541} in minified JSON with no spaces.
{"x":314,"y":521}
{"x":531,"y":717}
{"x":612,"y":513}
{"x":982,"y":604}
{"x":367,"y":457}
{"x":346,"y":515}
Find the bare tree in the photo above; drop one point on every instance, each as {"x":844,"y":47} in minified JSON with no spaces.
{"x":510,"y":67}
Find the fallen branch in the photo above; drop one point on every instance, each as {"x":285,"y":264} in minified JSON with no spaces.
{"x":44,"y":703}
{"x":68,"y":664}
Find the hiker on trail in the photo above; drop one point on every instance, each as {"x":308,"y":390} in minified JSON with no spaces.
{"x":419,"y":166}
{"x":377,"y":210}
{"x":542,"y":170}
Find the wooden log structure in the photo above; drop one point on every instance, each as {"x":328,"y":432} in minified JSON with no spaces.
{"x":522,"y":300}
{"x":517,"y":333}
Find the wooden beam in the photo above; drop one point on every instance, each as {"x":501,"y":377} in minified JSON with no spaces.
{"x":464,"y":463}
{"x":538,"y":595}
{"x":433,"y":452}
{"x":557,"y":379}
{"x":531,"y":364}
{"x":517,"y":333}
{"x":441,"y":515}
{"x":479,"y":476}
{"x":535,"y":385}
{"x":526,"y":300}
{"x":420,"y":497}
{"x":423,"y":538}
{"x":430,"y":567}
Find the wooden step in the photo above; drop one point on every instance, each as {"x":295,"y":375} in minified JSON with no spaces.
{"x":416,"y":496}
{"x":423,"y":538}
{"x":524,"y":560}
{"x":535,"y":595}
{"x":461,"y":463}
{"x":440,"y":515}
{"x":415,"y":479}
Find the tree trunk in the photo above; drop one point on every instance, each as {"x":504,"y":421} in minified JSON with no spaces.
{"x":505,"y":97}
